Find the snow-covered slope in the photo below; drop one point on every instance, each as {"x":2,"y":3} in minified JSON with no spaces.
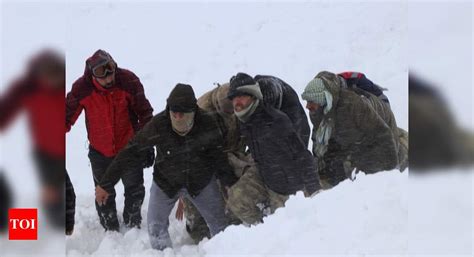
{"x":367,"y":216}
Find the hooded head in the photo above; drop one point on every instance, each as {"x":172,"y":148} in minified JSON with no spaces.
{"x":48,"y":68}
{"x":182,"y":107}
{"x":101,"y":67}
{"x":314,"y":92}
{"x":317,"y":93}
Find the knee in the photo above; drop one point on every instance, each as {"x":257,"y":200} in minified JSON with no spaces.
{"x":244,"y":207}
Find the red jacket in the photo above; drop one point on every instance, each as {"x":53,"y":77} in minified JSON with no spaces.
{"x":112,"y":115}
{"x":44,"y":106}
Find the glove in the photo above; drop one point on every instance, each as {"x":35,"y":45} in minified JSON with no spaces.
{"x":149,"y":159}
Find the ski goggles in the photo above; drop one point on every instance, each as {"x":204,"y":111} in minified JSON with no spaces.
{"x":104,"y":70}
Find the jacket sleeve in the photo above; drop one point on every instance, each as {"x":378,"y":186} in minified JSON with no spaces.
{"x":131,"y":156}
{"x":306,"y":163}
{"x":298,"y":117}
{"x":11,"y":102}
{"x":141,"y":106}
{"x":73,"y":106}
{"x":224,"y":172}
{"x":378,"y":151}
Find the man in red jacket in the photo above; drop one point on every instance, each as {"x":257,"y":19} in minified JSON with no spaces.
{"x":116,"y":108}
{"x":40,"y":94}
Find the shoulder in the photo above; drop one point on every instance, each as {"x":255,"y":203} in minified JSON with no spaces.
{"x":270,"y":115}
{"x":207,"y":118}
{"x":124,"y":74}
{"x":128,"y":81}
{"x":205,"y":101}
{"x":81,"y":87}
{"x":160,"y":118}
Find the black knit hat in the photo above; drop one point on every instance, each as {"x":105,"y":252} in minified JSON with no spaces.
{"x":239,"y":80}
{"x":182,"y":99}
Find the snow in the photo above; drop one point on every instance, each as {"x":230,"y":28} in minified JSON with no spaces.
{"x":202,"y":43}
{"x":353,"y":218}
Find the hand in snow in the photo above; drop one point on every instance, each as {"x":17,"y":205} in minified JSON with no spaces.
{"x":180,"y":210}
{"x":101,"y":195}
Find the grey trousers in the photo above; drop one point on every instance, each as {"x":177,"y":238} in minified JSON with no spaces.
{"x":209,"y":203}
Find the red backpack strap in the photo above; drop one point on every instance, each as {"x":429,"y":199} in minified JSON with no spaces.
{"x":351,"y":75}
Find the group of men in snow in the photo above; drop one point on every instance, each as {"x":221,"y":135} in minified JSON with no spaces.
{"x":233,"y":155}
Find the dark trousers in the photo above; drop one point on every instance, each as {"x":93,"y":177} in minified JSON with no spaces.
{"x":134,"y":193}
{"x":5,"y":202}
{"x":70,"y":204}
{"x":209,"y":203}
{"x":52,"y":174}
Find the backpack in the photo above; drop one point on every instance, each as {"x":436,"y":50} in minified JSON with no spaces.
{"x":358,"y":80}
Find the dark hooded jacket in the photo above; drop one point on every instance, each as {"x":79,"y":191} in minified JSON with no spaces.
{"x":285,"y":164}
{"x":364,"y":130}
{"x":188,"y":161}
{"x":282,"y":96}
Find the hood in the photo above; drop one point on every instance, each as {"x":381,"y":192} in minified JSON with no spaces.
{"x":333,"y":84}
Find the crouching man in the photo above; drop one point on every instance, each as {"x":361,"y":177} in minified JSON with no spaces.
{"x":283,"y":164}
{"x":188,"y":161}
{"x":352,"y":129}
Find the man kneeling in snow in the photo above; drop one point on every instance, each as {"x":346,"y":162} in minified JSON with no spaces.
{"x":189,"y":155}
{"x":353,"y":129}
{"x":283,"y":163}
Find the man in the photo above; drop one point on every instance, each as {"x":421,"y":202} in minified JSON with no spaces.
{"x":116,"y":108}
{"x":40,"y":94}
{"x":353,"y":129}
{"x":189,"y":157}
{"x":438,"y":141}
{"x":283,"y":164}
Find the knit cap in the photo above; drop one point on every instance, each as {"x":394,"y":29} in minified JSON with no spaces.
{"x":314,"y":92}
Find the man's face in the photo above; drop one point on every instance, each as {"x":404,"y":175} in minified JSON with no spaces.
{"x":177,"y":115}
{"x":312,"y":106}
{"x":242,"y":102}
{"x":106,"y":81}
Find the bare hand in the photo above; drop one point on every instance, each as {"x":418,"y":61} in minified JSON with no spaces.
{"x":101,"y":195}
{"x":180,"y":210}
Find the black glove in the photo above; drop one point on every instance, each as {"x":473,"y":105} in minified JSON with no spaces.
{"x":149,"y":158}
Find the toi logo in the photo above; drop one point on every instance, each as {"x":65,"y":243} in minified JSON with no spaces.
{"x":23,"y":224}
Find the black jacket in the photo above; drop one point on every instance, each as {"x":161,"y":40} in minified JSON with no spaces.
{"x":279,"y":94}
{"x":187,"y":161}
{"x":283,"y":160}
